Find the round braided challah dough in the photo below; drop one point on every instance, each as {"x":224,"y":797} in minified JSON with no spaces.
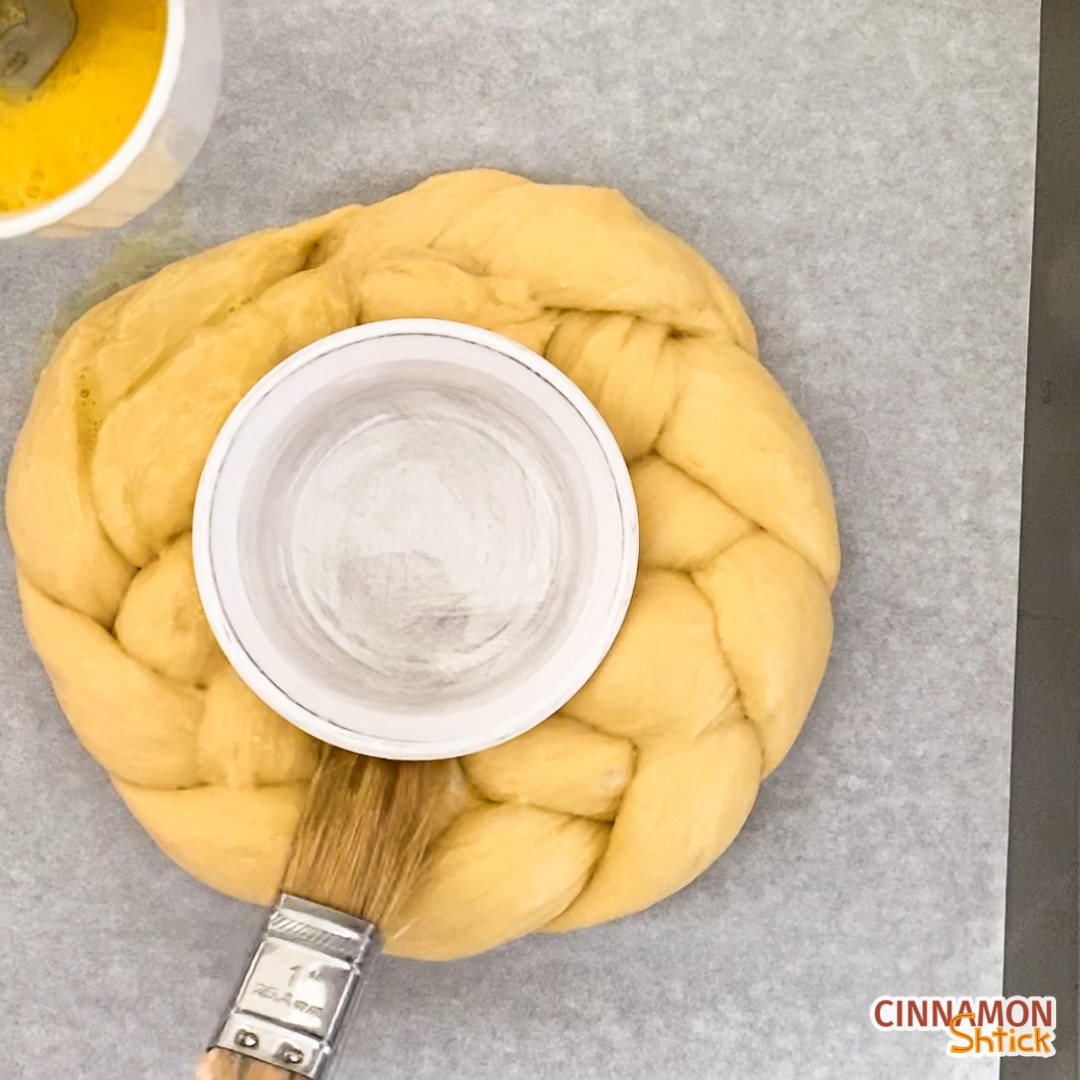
{"x":645,"y":776}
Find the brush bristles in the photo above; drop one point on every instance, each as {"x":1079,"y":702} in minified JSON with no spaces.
{"x":365,"y":832}
{"x":223,"y":1065}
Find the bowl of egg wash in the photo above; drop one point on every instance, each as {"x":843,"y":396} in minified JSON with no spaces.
{"x":118,"y":120}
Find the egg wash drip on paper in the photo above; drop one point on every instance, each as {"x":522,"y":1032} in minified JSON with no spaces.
{"x":434,"y":541}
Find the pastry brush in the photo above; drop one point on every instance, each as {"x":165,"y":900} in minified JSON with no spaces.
{"x":363,"y":837}
{"x":34,"y":34}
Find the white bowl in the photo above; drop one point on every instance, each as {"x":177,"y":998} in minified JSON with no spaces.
{"x":415,"y":539}
{"x":159,"y":149}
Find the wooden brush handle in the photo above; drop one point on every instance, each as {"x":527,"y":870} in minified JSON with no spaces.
{"x":225,"y":1065}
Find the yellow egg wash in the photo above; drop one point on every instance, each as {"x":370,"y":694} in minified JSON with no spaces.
{"x":61,"y":134}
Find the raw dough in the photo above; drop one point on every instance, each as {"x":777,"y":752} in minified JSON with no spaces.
{"x":649,"y":772}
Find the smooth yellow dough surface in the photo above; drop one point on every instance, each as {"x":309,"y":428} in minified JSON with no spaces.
{"x":649,"y":772}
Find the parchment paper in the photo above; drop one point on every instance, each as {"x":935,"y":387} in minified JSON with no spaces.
{"x":862,"y":173}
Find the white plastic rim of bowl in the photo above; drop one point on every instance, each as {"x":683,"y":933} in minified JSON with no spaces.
{"x":329,"y":537}
{"x":161,"y":146}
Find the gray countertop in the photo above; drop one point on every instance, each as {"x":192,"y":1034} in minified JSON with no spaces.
{"x":862,"y":173}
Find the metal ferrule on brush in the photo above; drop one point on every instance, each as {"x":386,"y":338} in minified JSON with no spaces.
{"x":304,"y":978}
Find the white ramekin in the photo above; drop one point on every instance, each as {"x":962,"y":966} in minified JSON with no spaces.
{"x":162,"y":145}
{"x":572,"y":568}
